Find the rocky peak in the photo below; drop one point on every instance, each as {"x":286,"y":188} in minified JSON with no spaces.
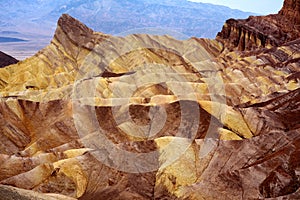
{"x":71,"y":25}
{"x":71,"y":30}
{"x":263,"y":31}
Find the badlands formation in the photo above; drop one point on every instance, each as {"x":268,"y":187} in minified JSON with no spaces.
{"x":93,"y":116}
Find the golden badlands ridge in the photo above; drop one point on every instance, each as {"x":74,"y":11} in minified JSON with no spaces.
{"x":94,"y":116}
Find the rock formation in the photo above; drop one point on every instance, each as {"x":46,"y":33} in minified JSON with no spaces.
{"x":263,"y":31}
{"x":92,"y":116}
{"x":6,"y":60}
{"x":291,"y":10}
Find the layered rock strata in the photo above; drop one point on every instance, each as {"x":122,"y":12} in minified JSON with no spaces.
{"x":263,"y":31}
{"x":92,"y":116}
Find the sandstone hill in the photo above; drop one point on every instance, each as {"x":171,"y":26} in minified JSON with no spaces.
{"x":92,"y":116}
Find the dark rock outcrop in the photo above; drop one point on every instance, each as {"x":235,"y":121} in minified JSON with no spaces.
{"x":6,"y":60}
{"x":291,"y":11}
{"x":263,"y":31}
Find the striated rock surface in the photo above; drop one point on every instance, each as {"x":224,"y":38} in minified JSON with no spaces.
{"x":13,"y":193}
{"x":291,"y":10}
{"x":6,"y":60}
{"x":92,"y":116}
{"x":263,"y":31}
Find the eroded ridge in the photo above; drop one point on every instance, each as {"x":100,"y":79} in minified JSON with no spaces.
{"x":93,"y":116}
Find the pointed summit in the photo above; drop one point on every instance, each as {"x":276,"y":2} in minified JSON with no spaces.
{"x":71,"y":29}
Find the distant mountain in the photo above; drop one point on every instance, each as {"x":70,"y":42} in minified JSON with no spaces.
{"x":36,"y":20}
{"x":115,"y":16}
{"x":11,"y":39}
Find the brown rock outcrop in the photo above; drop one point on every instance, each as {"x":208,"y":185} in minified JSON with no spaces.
{"x":13,"y":193}
{"x":291,"y":10}
{"x":6,"y":60}
{"x":93,"y":116}
{"x":263,"y":31}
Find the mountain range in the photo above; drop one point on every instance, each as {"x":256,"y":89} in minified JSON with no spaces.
{"x":116,"y":16}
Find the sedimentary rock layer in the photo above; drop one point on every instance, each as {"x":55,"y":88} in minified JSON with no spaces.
{"x":263,"y":31}
{"x":93,"y":116}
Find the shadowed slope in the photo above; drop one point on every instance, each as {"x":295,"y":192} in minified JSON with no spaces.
{"x":6,"y":60}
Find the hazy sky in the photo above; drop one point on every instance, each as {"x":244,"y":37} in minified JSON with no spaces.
{"x":257,"y":6}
